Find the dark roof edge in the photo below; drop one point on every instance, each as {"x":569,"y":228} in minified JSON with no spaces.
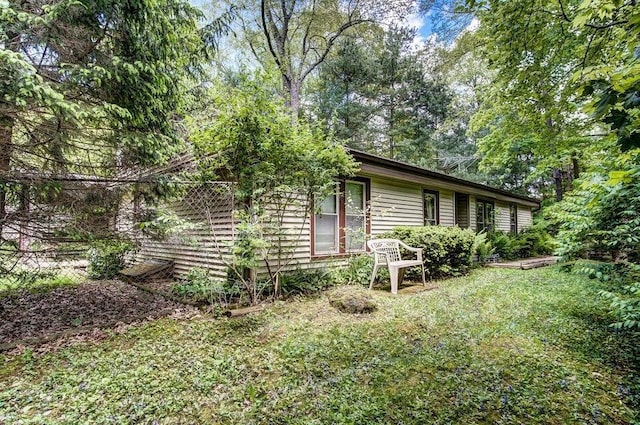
{"x":403,"y":166}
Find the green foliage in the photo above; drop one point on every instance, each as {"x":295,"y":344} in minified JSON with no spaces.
{"x":622,"y":289}
{"x":446,"y":251}
{"x":601,"y":215}
{"x":200,"y":287}
{"x":531,"y":242}
{"x":357,"y":271}
{"x":164,"y":224}
{"x":554,"y":62}
{"x":278,"y":166}
{"x":304,"y":282}
{"x":626,"y":304}
{"x":612,"y":85}
{"x":107,"y":257}
{"x":482,"y":247}
{"x":37,"y":282}
{"x":109,"y":76}
{"x":498,"y":346}
{"x":601,"y":218}
{"x":376,"y":95}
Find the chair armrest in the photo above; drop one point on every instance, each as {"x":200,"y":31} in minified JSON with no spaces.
{"x":418,"y":251}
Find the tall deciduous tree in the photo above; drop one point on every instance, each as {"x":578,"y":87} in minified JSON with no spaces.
{"x":380,"y":98}
{"x":551,"y":57}
{"x":300,"y":34}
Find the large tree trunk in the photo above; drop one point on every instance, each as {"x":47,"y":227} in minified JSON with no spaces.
{"x":6,"y":133}
{"x":557,"y":176}
{"x":291,"y":89}
{"x":576,"y":167}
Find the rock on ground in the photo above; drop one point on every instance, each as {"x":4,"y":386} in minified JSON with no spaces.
{"x":353,"y":301}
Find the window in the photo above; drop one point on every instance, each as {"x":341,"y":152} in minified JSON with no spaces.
{"x":355,"y":223}
{"x":430,"y":206}
{"x":326,"y":225}
{"x":484,"y":215}
{"x":340,"y":223}
{"x":513,"y":218}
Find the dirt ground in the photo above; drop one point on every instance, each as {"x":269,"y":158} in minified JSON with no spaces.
{"x":87,"y":308}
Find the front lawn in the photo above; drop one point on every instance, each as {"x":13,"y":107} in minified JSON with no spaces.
{"x":499,"y":346}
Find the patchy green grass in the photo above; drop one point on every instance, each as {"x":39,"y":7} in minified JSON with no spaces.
{"x":499,"y":346}
{"x":41,"y":284}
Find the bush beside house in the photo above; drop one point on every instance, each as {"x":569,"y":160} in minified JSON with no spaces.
{"x":531,"y":242}
{"x":447,"y":251}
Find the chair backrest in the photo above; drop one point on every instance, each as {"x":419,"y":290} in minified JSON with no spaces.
{"x":385,"y":250}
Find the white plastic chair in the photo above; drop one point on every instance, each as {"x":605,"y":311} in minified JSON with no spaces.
{"x":387,"y":253}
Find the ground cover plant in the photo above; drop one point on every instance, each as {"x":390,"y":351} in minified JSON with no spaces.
{"x":497,"y":346}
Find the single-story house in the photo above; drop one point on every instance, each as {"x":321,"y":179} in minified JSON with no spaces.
{"x":384,"y":194}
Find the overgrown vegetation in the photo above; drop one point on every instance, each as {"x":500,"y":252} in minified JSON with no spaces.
{"x":600,"y":219}
{"x":357,"y":271}
{"x":300,"y":282}
{"x":446,"y":251}
{"x":279,"y":167}
{"x":201,"y":287}
{"x":531,"y":242}
{"x":107,"y":257}
{"x":498,"y":346}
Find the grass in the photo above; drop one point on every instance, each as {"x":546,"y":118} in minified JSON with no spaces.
{"x":9,"y":285}
{"x":496,"y":347}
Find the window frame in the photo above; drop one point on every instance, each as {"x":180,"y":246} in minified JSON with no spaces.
{"x":486,"y":226}
{"x":437,"y":207}
{"x":513,"y":220}
{"x":342,"y":216}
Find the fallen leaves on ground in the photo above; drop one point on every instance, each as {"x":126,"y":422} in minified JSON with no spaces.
{"x":99,"y":304}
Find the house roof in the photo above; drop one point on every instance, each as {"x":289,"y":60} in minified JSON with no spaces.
{"x":367,"y":158}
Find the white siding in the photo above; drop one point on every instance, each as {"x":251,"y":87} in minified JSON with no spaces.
{"x":205,"y":243}
{"x":446,"y":208}
{"x":395,"y":204}
{"x":296,"y":244}
{"x":525,"y":217}
{"x":502,"y":219}
{"x":392,"y":203}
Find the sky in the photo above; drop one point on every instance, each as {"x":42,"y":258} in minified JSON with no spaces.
{"x":423,"y":23}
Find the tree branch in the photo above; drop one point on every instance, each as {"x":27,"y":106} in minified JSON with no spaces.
{"x":267,"y":34}
{"x":330,"y":43}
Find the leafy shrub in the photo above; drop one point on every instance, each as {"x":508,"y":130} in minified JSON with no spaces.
{"x":482,"y":247}
{"x":304,"y":282}
{"x":446,"y":251}
{"x":531,"y":242}
{"x":601,"y":217}
{"x":357,"y":272}
{"x":107,"y":257}
{"x":623,"y":288}
{"x":201,"y":287}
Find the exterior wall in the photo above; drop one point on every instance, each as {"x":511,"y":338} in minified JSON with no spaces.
{"x":296,"y":244}
{"x":502,"y":217}
{"x":447,"y":215}
{"x":472,"y":212}
{"x":394,"y":204}
{"x":205,"y":241}
{"x":525,"y":217}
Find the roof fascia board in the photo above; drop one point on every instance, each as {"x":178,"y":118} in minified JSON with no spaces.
{"x":377,"y":166}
